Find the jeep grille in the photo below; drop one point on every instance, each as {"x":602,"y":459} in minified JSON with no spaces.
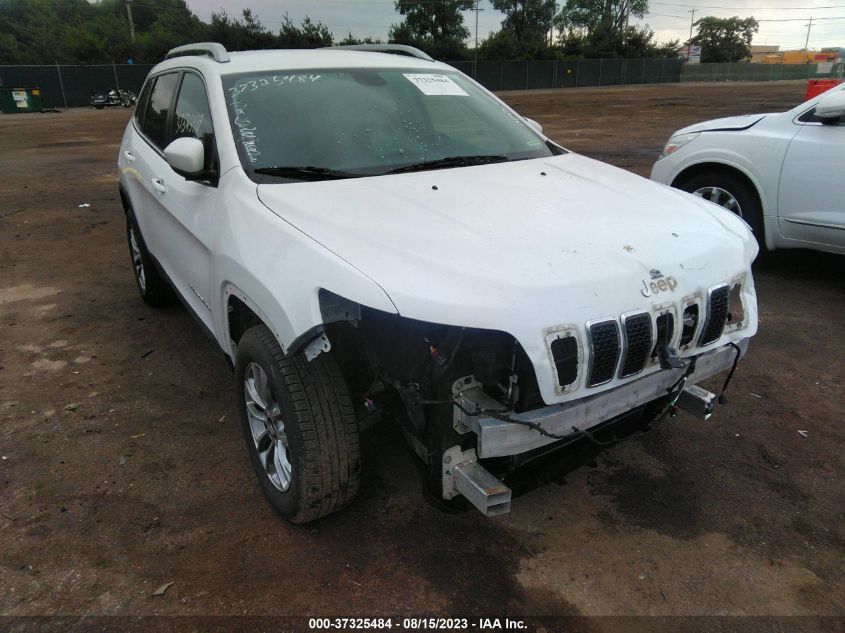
{"x":565,"y":355}
{"x":623,"y":347}
{"x":717,"y":314}
{"x":604,"y":348}
{"x":689,"y":323}
{"x":637,"y":331}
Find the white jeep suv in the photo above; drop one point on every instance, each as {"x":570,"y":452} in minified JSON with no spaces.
{"x":370,"y":235}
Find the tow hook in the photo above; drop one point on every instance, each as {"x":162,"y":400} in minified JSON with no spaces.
{"x":463,"y":475}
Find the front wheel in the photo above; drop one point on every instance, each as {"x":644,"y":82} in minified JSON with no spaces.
{"x":299,"y":426}
{"x":731,"y":192}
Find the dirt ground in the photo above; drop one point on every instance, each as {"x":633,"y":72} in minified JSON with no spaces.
{"x":123,"y":467}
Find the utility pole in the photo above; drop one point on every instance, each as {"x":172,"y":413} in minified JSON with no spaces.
{"x":131,"y":22}
{"x":475,"y":51}
{"x":807,"y":41}
{"x":476,"y":27}
{"x":552,"y":25}
{"x":689,"y":42}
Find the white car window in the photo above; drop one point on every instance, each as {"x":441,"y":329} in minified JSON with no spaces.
{"x":193,"y":115}
{"x":158,"y":110}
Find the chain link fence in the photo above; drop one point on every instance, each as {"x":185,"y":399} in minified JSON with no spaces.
{"x":614,"y":72}
{"x":752,"y":72}
{"x":533,"y":75}
{"x":71,"y":86}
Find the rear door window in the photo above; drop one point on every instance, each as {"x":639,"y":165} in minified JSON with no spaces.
{"x":141,"y":106}
{"x":157,"y":115}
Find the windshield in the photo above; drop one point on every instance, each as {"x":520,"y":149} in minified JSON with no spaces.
{"x":314,"y":125}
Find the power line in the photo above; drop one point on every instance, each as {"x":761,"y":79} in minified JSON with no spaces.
{"x":681,"y":17}
{"x":703,"y":6}
{"x":839,"y":17}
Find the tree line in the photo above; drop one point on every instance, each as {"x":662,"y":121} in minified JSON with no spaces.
{"x":82,"y":32}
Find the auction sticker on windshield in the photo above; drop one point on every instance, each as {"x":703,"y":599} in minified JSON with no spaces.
{"x":436,"y":84}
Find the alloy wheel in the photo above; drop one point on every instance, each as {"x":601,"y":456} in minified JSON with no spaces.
{"x":267,"y":427}
{"x":137,"y":260}
{"x":720,"y":196}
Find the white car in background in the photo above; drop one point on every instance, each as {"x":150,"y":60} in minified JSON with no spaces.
{"x":783,"y":173}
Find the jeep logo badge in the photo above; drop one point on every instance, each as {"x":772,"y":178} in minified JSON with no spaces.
{"x":658,"y":284}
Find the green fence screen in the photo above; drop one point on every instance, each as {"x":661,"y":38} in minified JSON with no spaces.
{"x":748,"y":72}
{"x":71,"y":86}
{"x":565,"y":74}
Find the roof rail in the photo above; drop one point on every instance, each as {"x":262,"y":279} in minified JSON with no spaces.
{"x":396,"y":49}
{"x":205,"y":49}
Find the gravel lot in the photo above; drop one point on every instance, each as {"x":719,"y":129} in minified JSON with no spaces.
{"x":123,"y":467}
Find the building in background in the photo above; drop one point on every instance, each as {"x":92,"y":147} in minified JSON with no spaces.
{"x":838,"y":51}
{"x":759,"y":53}
{"x":773,"y":55}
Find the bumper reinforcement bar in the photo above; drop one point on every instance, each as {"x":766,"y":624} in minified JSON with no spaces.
{"x":498,"y":438}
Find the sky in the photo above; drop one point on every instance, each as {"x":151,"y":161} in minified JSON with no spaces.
{"x":782,"y":22}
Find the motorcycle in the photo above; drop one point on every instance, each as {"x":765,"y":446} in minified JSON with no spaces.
{"x":113,"y":98}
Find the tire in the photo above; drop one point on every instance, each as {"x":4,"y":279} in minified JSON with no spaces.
{"x":153,"y":288}
{"x":99,"y":107}
{"x":748,"y":202}
{"x":306,"y":453}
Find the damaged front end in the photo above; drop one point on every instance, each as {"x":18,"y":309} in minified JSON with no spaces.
{"x":407,"y":371}
{"x":468,"y":402}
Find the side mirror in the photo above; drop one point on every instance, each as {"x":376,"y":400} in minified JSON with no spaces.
{"x":187,"y":158}
{"x":831,"y":106}
{"x":534,"y":125}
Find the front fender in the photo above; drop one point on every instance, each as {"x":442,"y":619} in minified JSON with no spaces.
{"x":278,"y":271}
{"x":762,"y":172}
{"x":726,"y":158}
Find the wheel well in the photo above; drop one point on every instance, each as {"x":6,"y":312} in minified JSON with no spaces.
{"x":240,"y":318}
{"x":695,"y":170}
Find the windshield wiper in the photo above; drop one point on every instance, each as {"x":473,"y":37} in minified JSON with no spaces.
{"x":451,"y":161}
{"x":305,"y":172}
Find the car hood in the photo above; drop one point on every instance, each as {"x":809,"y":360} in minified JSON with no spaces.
{"x":726,"y":124}
{"x":565,"y":236}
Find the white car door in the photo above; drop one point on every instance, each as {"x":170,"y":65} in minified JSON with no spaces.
{"x":180,"y":218}
{"x":811,"y":194}
{"x":146,"y":162}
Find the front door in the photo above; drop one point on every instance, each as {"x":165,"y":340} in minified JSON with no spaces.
{"x":811,"y":196}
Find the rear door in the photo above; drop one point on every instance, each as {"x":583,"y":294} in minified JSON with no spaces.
{"x":147,"y":160}
{"x":811,"y":195}
{"x":133,"y":143}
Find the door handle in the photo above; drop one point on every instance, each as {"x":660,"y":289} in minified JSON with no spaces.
{"x":129,"y":155}
{"x":158,"y":185}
